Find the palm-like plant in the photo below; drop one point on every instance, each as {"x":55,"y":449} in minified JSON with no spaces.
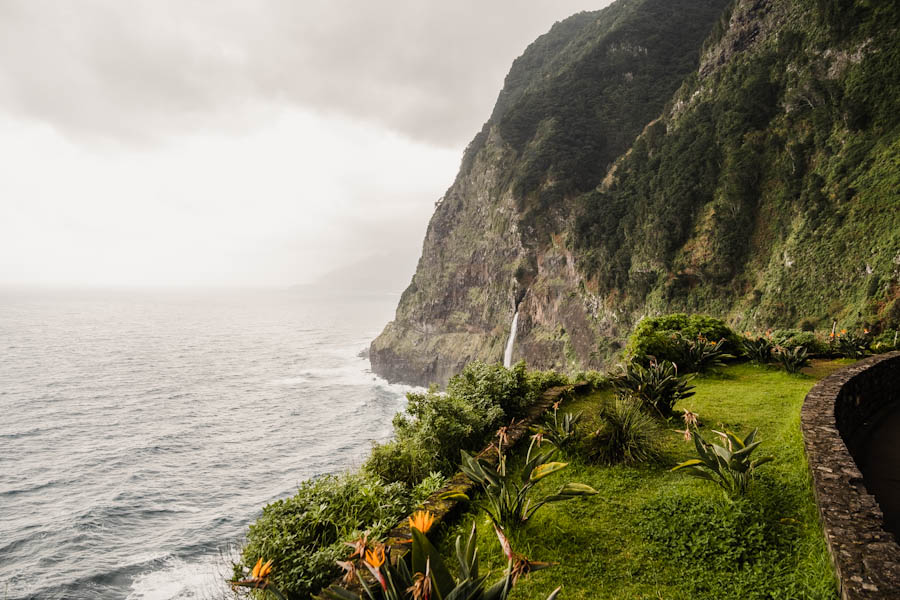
{"x":657,"y":386}
{"x":507,"y":499}
{"x":729,"y":466}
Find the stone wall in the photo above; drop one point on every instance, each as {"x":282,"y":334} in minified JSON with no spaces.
{"x":838,"y":414}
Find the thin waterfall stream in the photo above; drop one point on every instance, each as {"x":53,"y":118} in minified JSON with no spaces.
{"x":507,"y":355}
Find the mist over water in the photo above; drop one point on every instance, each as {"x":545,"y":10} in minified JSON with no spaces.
{"x":141,"y":432}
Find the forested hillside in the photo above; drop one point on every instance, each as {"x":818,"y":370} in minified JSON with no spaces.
{"x":740,"y":159}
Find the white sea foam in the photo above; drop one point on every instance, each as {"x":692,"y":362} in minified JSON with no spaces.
{"x":177,"y":579}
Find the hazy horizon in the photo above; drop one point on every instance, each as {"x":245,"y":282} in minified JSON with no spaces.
{"x":163,"y":144}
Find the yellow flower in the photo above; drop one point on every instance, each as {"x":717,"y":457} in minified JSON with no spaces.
{"x":375,"y":558}
{"x":421,"y":520}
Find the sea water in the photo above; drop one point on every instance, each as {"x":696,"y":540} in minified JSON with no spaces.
{"x":142,"y":432}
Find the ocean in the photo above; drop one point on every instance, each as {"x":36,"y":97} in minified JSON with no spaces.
{"x":141,"y":432}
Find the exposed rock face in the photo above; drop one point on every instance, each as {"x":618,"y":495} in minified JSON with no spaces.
{"x":664,"y":155}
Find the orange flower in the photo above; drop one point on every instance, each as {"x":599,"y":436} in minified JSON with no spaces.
{"x":421,"y":520}
{"x":843,"y":331}
{"x":260,"y":570}
{"x":375,"y":558}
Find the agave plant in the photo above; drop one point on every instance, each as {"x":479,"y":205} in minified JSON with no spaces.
{"x":699,"y":354}
{"x":657,"y":386}
{"x":758,"y":349}
{"x":421,"y":574}
{"x":507,"y":499}
{"x":792,"y":359}
{"x":729,"y":466}
{"x":560,"y":430}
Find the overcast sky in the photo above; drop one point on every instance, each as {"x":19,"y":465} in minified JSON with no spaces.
{"x":220,"y":142}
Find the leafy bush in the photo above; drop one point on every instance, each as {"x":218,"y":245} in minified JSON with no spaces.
{"x":728,"y":466}
{"x":852,"y":345}
{"x":303,"y":535}
{"x":436,"y":426}
{"x":429,"y":436}
{"x":792,"y":359}
{"x":887,"y":341}
{"x":595,"y":379}
{"x":791,"y":338}
{"x":759,"y":349}
{"x":627,"y":435}
{"x":492,"y":385}
{"x":657,"y":386}
{"x":539,"y":381}
{"x":656,"y":336}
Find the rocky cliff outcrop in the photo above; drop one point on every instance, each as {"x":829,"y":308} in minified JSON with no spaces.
{"x":664,"y":155}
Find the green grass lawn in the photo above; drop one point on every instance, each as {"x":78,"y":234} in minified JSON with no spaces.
{"x":654,"y":534}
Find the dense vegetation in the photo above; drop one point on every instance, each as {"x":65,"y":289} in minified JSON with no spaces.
{"x":757,"y":183}
{"x":306,"y":534}
{"x":621,"y":440}
{"x":654,"y":533}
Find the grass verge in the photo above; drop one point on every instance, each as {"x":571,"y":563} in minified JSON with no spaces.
{"x":654,"y":534}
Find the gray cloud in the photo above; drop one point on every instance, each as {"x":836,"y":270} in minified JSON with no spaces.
{"x":146,"y":70}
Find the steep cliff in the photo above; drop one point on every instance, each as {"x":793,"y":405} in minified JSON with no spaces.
{"x":663,"y":155}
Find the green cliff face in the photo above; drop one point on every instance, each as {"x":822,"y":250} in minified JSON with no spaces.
{"x":663,"y":155}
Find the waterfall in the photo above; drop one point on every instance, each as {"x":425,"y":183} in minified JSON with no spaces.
{"x":507,"y":356}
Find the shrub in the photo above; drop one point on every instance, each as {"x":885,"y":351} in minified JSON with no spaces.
{"x":852,"y":345}
{"x":627,"y":435}
{"x":792,"y":359}
{"x":436,"y":426}
{"x":807,"y":324}
{"x":429,"y":436}
{"x":595,"y":379}
{"x":657,"y":386}
{"x":303,"y":535}
{"x":728,"y":466}
{"x":887,"y":341}
{"x":487,"y":386}
{"x":759,"y":349}
{"x":792,"y":338}
{"x":653,"y":335}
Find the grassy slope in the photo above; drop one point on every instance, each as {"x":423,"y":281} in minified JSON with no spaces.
{"x":603,"y":544}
